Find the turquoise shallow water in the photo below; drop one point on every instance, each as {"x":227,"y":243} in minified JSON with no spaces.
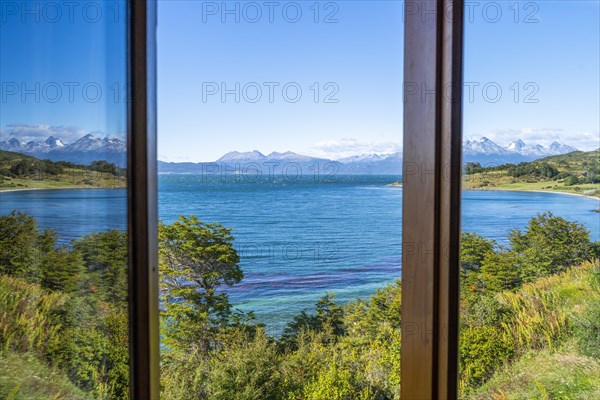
{"x":298,"y":239}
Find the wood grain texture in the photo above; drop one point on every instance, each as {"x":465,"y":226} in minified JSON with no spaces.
{"x":142,"y":202}
{"x":431,"y":198}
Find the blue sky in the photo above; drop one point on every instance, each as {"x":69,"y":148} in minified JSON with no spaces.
{"x":351,"y":50}
{"x":56,"y":74}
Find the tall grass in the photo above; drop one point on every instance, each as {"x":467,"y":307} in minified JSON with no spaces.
{"x":28,"y":316}
{"x":543,"y":318}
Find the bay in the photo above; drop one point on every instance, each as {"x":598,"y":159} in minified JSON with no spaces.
{"x":297,"y":238}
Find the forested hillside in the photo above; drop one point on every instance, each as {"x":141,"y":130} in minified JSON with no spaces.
{"x":19,"y":171}
{"x":576,"y":172}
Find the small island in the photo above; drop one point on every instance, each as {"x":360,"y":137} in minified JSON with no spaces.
{"x":22,"y":172}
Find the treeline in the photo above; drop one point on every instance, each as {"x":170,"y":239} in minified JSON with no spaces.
{"x":587,"y":172}
{"x":67,"y":305}
{"x":20,"y":166}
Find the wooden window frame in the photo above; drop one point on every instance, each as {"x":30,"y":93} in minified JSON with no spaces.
{"x":142,"y":201}
{"x":433,"y":55}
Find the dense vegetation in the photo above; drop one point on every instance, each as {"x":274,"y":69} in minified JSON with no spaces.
{"x":22,"y":171}
{"x":576,"y":171}
{"x":64,"y":319}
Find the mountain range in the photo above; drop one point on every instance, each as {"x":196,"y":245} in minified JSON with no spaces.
{"x":83,"y":151}
{"x":90,"y":148}
{"x":485,"y":151}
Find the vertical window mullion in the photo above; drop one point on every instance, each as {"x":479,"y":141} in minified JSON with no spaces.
{"x":142,"y":201}
{"x":431,"y":199}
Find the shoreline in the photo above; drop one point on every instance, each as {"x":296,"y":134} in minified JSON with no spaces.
{"x":535,"y":191}
{"x":388,"y":185}
{"x":496,"y":189}
{"x":59,"y":188}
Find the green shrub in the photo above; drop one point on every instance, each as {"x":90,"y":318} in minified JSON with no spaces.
{"x":482,"y":350}
{"x":246,"y":369}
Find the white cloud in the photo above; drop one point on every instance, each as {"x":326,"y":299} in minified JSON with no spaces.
{"x":162,"y":157}
{"x":26,"y":132}
{"x":347,"y":147}
{"x":544,"y":136}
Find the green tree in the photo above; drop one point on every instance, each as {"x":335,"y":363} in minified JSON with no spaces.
{"x":500,"y":271}
{"x":328,"y":317}
{"x":246,"y":369}
{"x":23,"y":168}
{"x":105,"y":257}
{"x":195,"y":260}
{"x":23,"y":246}
{"x":62,"y":270}
{"x":551,"y":244}
{"x":571,"y":180}
{"x":300,"y":323}
{"x":473,"y":249}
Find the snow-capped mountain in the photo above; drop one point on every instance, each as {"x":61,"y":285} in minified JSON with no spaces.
{"x":483,"y":151}
{"x":46,"y":146}
{"x":364,"y":158}
{"x":255,"y":155}
{"x":483,"y":146}
{"x":83,"y":151}
{"x":241,"y":162}
{"x":90,"y":148}
{"x":486,"y":151}
{"x":12,"y":145}
{"x":289,"y":156}
{"x":236,"y":156}
{"x":524,"y":149}
{"x":557,"y":148}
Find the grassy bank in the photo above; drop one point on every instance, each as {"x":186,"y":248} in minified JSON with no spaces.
{"x":22,"y":172}
{"x":547,"y":374}
{"x":25,"y":377}
{"x":559,"y":355}
{"x":573,"y":173}
{"x":498,"y":180}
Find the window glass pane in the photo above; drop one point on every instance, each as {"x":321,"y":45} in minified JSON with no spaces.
{"x":530,"y":303}
{"x":280,"y":131}
{"x":63,"y":247}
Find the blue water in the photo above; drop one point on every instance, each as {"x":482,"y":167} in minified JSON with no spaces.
{"x":298,"y":240}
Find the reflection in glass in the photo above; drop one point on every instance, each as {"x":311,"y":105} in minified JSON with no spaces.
{"x":530,"y":288}
{"x":63,"y":253}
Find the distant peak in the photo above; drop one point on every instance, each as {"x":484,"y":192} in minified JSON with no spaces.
{"x":517,"y":145}
{"x":53,"y":139}
{"x":237,"y":155}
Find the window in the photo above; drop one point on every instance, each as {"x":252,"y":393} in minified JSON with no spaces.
{"x":529,"y":292}
{"x":64,"y":289}
{"x":237,"y":342}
